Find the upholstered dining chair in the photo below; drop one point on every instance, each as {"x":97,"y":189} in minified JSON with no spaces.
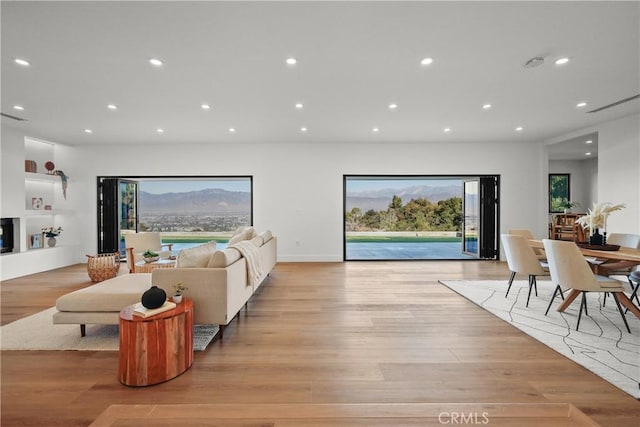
{"x":568,"y":268}
{"x":528,"y":235}
{"x":137,"y":243}
{"x":620,"y":267}
{"x":522,"y":259}
{"x":620,"y":270}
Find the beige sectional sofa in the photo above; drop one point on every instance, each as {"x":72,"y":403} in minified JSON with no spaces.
{"x":219,"y":282}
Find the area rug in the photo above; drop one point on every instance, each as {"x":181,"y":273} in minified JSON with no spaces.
{"x":37,"y":332}
{"x":602,"y":345}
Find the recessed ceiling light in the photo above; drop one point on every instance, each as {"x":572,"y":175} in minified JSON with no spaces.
{"x":587,"y":153}
{"x":156,"y":62}
{"x":393,"y":106}
{"x":588,"y":142}
{"x":292,"y":61}
{"x":486,"y":106}
{"x":205,"y":106}
{"x":112,"y":107}
{"x":303,"y":129}
{"x":447,"y":130}
{"x":88,"y":131}
{"x":22,"y":62}
{"x":375,"y":130}
{"x":232,"y":130}
{"x":519,"y":129}
{"x":160,"y":130}
{"x":562,"y":61}
{"x":426,"y":61}
{"x":534,"y":62}
{"x":581,"y":104}
{"x":299,"y":105}
{"x":18,"y":107}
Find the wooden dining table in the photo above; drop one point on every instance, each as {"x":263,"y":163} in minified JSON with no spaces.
{"x":622,"y":254}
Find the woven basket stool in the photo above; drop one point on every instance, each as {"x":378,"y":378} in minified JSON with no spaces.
{"x":103,"y":266}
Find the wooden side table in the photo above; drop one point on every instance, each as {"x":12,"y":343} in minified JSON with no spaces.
{"x":158,"y":348}
{"x":147,"y":267}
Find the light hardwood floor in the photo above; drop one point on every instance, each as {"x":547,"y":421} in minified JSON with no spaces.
{"x":355,"y":333}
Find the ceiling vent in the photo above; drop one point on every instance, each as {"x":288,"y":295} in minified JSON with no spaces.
{"x":622,"y":101}
{"x":9,"y":116}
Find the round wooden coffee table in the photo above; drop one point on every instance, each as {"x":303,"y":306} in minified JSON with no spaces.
{"x":157,"y":348}
{"x":147,"y":267}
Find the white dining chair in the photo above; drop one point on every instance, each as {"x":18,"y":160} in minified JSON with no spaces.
{"x":528,"y":235}
{"x":569,"y":269}
{"x":522,"y":259}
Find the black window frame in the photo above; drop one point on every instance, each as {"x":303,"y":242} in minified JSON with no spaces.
{"x":550,"y":191}
{"x":490,"y":215}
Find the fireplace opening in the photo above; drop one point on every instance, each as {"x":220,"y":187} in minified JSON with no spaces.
{"x":6,"y":235}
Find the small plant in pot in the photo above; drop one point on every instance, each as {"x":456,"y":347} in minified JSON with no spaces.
{"x":568,"y":204}
{"x":150,"y":256}
{"x":178,"y":290}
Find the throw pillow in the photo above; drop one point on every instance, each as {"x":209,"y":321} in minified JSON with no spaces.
{"x":238,"y":238}
{"x":196,"y":257}
{"x":223,"y":258}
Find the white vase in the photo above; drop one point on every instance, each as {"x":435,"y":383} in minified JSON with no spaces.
{"x":177,"y":299}
{"x":51,"y":241}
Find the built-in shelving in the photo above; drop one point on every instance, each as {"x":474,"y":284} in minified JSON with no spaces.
{"x":45,"y":205}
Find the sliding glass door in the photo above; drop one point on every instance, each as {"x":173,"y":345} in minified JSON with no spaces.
{"x":471,"y":217}
{"x":117,"y":213}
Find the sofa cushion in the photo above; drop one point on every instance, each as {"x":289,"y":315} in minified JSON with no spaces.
{"x":257,"y":241}
{"x":110,"y":295}
{"x":237,"y":238}
{"x":247,"y":233}
{"x":196,"y":257}
{"x":223,"y":258}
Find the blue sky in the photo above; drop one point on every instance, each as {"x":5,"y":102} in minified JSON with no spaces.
{"x":184,"y":185}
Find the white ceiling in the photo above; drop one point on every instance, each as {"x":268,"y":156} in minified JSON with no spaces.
{"x":354,"y":59}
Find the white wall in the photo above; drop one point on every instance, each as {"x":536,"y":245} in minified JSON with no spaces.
{"x":619,"y":171}
{"x":584,"y":180}
{"x":298,"y":187}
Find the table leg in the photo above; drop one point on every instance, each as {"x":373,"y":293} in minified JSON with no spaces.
{"x":567,"y":302}
{"x":624,"y":300}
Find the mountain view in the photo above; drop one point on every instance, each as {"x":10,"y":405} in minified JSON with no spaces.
{"x":379,"y":199}
{"x":202,"y":202}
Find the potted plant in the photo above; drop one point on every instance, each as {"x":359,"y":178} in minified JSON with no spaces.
{"x":178,"y":290}
{"x":150,"y":256}
{"x":568,"y":204}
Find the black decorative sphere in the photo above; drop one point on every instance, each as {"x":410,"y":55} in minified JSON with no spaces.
{"x":154,"y":297}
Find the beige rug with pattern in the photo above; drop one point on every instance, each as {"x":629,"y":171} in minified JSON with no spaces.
{"x":602,"y":345}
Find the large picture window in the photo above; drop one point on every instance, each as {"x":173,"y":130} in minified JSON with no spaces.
{"x":185,"y":210}
{"x":420,"y":217}
{"x":559,"y":191}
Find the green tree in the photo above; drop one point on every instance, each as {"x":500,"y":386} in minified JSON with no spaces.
{"x":371,"y":219}
{"x":396,"y":203}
